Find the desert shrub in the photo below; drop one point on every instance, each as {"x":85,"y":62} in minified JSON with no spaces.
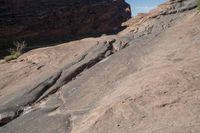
{"x":198,"y":4}
{"x":16,"y":52}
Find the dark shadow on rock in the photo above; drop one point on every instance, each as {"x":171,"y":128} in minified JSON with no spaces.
{"x":6,"y":43}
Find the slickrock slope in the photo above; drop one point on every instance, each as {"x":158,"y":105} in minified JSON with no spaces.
{"x":134,"y":82}
{"x":39,"y":19}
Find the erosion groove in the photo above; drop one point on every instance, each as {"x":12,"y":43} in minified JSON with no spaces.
{"x":53,"y":83}
{"x":6,"y":117}
{"x":13,"y":109}
{"x":73,"y":71}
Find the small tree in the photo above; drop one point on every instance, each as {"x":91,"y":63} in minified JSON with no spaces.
{"x":15,"y":53}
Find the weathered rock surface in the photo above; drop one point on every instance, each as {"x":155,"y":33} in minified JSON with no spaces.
{"x":170,"y":7}
{"x":51,"y":19}
{"x":144,"y":81}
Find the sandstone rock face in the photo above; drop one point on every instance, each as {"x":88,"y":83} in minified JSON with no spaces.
{"x":167,"y":8}
{"x":53,"y":18}
{"x":145,"y":79}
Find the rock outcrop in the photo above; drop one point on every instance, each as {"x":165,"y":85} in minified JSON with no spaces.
{"x":170,"y":7}
{"x":52,"y":19}
{"x":145,"y":79}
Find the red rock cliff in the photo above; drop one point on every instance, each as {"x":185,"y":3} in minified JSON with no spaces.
{"x":43,"y":18}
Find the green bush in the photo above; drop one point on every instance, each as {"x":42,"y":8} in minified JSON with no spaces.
{"x":198,"y":4}
{"x":15,"y":53}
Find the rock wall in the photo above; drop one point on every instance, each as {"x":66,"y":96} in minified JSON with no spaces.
{"x":44,"y":18}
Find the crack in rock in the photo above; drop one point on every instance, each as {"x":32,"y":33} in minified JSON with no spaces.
{"x":52,"y":84}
